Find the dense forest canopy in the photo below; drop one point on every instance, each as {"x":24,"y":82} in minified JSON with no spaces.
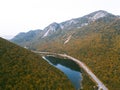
{"x":21,"y":69}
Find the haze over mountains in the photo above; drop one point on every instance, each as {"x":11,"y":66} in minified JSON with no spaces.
{"x":93,"y":39}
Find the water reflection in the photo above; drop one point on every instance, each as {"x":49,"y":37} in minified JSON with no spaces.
{"x":69,"y":67}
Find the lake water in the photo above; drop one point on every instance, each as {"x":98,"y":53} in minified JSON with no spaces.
{"x":69,"y":68}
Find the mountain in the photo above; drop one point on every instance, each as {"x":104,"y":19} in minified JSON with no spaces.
{"x":85,"y":20}
{"x":77,"y":22}
{"x":60,"y":29}
{"x":51,"y":30}
{"x":93,"y":39}
{"x":21,"y":69}
{"x":26,"y":37}
{"x":65,"y":31}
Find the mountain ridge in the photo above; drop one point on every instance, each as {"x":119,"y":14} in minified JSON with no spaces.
{"x":55,"y":29}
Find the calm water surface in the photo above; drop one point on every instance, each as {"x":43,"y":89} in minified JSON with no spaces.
{"x":69,"y":68}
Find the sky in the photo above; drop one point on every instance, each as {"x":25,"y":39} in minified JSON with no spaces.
{"x":24,"y":15}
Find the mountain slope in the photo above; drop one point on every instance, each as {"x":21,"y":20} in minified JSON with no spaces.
{"x":26,"y":37}
{"x":98,"y":47}
{"x":21,"y":69}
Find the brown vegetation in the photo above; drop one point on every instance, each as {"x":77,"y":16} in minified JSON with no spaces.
{"x":21,"y":69}
{"x":98,"y":47}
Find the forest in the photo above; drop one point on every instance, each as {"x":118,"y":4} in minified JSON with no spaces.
{"x":21,"y":69}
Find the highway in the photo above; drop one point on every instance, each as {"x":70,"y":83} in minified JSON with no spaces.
{"x":99,"y":83}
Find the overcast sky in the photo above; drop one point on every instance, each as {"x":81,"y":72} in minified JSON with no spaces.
{"x":24,"y":15}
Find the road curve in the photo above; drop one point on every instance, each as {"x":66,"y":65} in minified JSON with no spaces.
{"x":101,"y":86}
{"x":99,"y":83}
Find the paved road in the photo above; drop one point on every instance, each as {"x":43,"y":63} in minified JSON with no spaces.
{"x":99,"y":83}
{"x":101,"y":86}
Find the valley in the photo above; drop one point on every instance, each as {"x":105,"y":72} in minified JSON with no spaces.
{"x":93,"y":77}
{"x":93,"y":39}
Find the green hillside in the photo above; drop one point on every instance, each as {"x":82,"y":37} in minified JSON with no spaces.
{"x":21,"y":69}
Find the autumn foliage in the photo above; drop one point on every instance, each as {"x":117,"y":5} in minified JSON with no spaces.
{"x":21,"y":69}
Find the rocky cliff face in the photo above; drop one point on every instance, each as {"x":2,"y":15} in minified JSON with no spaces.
{"x":51,"y":29}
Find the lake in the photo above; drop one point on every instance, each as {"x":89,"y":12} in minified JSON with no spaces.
{"x":69,"y":68}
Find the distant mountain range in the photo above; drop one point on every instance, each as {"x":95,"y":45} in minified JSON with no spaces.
{"x":93,"y":39}
{"x":62,"y":29}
